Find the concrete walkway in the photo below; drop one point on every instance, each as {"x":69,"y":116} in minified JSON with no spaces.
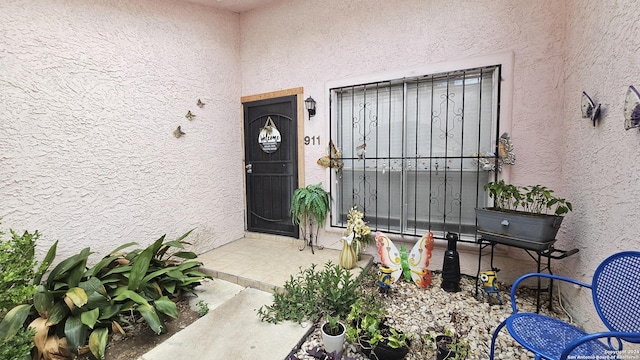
{"x":231,"y":329}
{"x":245,"y":273}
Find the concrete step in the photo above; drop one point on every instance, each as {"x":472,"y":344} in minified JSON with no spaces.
{"x":231,"y":329}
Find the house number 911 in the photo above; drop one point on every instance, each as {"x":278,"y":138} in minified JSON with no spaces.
{"x":311,"y":140}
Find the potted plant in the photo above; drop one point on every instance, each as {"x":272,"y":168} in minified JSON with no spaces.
{"x":525,"y":216}
{"x":310,"y":206}
{"x":376,"y":339}
{"x":450,"y":348}
{"x":333,"y":335}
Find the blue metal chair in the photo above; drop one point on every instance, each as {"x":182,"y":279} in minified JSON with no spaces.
{"x":616,"y":296}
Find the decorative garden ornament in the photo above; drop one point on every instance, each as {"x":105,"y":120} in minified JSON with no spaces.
{"x":413,"y":265}
{"x":178,"y":132}
{"x":589,"y":108}
{"x":490,"y":287}
{"x":384,"y":279}
{"x":333,"y":160}
{"x":357,"y":226}
{"x":632,"y":109}
{"x":487,"y":161}
{"x":347,"y":255}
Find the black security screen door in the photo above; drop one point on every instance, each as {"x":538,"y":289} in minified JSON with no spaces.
{"x":271,"y":164}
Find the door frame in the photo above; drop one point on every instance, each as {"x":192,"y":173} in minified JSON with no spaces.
{"x":299,"y":93}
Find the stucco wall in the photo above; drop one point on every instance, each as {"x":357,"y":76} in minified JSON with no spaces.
{"x":313,"y":43}
{"x":90,"y":94}
{"x":600,"y":170}
{"x":560,"y":49}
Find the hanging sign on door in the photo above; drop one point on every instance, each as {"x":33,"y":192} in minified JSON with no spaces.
{"x":269,"y":138}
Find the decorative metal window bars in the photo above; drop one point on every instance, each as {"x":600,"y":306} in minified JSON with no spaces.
{"x":412,"y":150}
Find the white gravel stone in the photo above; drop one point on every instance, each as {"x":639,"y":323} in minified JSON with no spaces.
{"x":420,"y":312}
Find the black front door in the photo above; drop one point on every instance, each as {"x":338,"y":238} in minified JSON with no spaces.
{"x":271,"y":164}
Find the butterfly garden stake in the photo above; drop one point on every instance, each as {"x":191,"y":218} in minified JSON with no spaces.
{"x":412,"y":265}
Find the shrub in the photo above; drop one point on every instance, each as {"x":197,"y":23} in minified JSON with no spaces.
{"x":77,"y":305}
{"x":312,"y":293}
{"x":17,"y":269}
{"x":19,"y":346}
{"x":17,"y":287}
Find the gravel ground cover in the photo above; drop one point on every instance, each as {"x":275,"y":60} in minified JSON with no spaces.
{"x":425,"y":313}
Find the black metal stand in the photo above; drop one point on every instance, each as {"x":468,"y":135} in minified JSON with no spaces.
{"x":537,"y":255}
{"x":309,"y":242}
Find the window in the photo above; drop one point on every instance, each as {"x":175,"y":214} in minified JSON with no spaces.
{"x":410,"y":150}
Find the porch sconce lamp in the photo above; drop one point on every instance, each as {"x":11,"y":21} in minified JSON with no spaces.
{"x":310,"y":104}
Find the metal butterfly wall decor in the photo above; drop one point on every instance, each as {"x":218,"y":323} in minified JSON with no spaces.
{"x":178,"y":132}
{"x":200,"y":104}
{"x":488,"y":161}
{"x":589,"y":108}
{"x":632,"y":109}
{"x":189,"y":115}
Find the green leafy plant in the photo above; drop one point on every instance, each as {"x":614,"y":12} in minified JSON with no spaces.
{"x":332,"y":326}
{"x":76,"y":306}
{"x":396,"y":339}
{"x":312,"y":201}
{"x":367,"y":328}
{"x":203,"y":308}
{"x":18,"y":276}
{"x":312,"y":293}
{"x":535,"y":199}
{"x":17,"y":269}
{"x":17,"y":347}
{"x":308,"y":205}
{"x":451,"y":348}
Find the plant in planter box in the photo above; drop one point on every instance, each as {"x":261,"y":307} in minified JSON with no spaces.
{"x":310,"y":206}
{"x":536,"y":199}
{"x":527,"y":216}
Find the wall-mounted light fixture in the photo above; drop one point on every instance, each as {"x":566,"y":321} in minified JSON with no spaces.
{"x":310,"y":104}
{"x":589,"y":109}
{"x":632,"y":109}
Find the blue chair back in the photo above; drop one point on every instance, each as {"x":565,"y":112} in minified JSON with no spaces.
{"x":616,"y":292}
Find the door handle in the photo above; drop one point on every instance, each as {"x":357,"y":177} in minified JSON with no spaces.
{"x":249,"y":168}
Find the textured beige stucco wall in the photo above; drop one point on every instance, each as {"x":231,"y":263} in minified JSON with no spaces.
{"x":600,"y":168}
{"x":312,"y":43}
{"x":90,"y":94}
